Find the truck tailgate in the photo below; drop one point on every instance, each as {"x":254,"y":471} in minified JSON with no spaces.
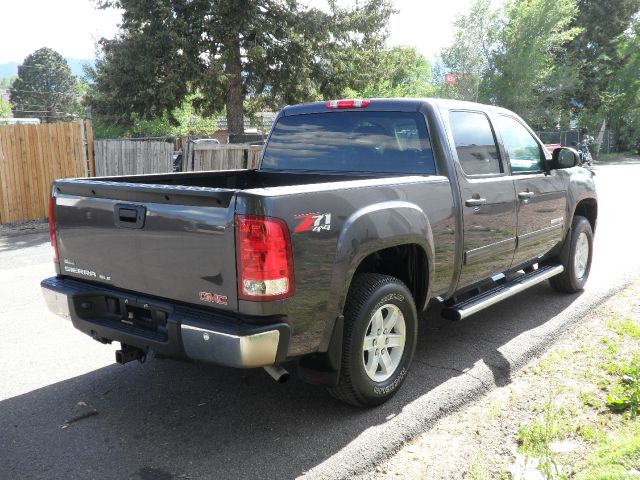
{"x":173,"y":242}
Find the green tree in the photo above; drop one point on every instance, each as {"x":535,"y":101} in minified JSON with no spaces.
{"x":400,"y":72}
{"x":5,"y":82}
{"x":524,"y":75}
{"x":5,"y":109}
{"x":223,"y":52}
{"x":595,"y":52}
{"x":620,"y":102}
{"x":470,"y":55}
{"x":187,"y":122}
{"x":44,"y":88}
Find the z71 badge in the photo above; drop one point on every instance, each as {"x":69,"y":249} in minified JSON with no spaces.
{"x":313,"y":222}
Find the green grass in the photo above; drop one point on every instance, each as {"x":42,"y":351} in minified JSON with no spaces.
{"x":624,"y":396}
{"x":615,"y":459}
{"x":609,"y":372}
{"x":626,"y":327}
{"x":478,"y":469}
{"x":551,"y":361}
{"x":590,"y":399}
{"x":535,"y":438}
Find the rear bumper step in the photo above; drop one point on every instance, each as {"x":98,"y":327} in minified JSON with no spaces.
{"x":168,"y":329}
{"x":491,"y":297}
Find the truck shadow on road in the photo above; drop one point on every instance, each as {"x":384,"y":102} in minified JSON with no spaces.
{"x":166,"y":419}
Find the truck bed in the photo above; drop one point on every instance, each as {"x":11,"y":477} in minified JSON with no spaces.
{"x":168,"y":235}
{"x":235,"y":179}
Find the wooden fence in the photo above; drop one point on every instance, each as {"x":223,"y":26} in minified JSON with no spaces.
{"x":199,"y":157}
{"x":31,"y":157}
{"x":132,"y":157}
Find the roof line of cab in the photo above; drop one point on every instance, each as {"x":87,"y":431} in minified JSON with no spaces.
{"x":386,"y":104}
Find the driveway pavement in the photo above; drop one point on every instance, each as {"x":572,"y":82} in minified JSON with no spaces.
{"x":166,"y":419}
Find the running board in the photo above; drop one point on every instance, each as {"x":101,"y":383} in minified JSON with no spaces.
{"x":491,"y":297}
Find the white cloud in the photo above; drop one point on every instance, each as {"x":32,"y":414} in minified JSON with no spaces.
{"x":71,"y":27}
{"x":426,"y":25}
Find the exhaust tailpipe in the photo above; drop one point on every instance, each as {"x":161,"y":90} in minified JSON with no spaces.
{"x":128,"y":354}
{"x":279,"y":374}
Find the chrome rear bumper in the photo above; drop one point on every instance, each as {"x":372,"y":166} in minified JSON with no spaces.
{"x":185,"y":332}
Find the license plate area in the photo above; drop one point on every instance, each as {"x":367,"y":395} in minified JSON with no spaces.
{"x":126,"y":314}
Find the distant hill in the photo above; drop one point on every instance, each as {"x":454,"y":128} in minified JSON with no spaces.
{"x":10,"y":69}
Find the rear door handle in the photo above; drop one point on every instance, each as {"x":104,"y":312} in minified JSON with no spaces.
{"x":475,"y":202}
{"x":525,"y":195}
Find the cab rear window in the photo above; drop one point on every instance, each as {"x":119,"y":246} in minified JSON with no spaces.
{"x":362,"y":141}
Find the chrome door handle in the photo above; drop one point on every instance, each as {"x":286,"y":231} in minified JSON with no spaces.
{"x":525,"y":195}
{"x":475,"y":202}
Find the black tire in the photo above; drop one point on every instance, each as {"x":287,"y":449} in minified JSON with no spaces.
{"x":570,"y":281}
{"x":369,"y":293}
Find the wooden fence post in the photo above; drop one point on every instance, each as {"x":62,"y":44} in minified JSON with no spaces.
{"x":88,"y":128}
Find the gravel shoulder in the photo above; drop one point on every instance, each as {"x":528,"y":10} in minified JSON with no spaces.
{"x":23,"y":228}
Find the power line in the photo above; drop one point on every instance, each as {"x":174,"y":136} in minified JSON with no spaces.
{"x":42,"y":67}
{"x":68,"y":94}
{"x":39,"y":111}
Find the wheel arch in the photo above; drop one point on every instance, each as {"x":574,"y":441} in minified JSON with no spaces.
{"x":588,"y":208}
{"x":407,"y":262}
{"x":381,"y":230}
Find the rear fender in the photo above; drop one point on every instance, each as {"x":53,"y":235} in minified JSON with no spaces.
{"x":369,"y":230}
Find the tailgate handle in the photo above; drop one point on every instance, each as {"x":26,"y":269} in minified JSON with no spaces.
{"x":129,"y":216}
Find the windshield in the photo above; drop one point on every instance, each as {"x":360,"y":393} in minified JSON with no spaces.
{"x":362,"y":141}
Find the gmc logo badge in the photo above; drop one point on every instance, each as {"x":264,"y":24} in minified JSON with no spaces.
{"x":213,"y":298}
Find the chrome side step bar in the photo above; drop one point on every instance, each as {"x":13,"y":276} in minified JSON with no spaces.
{"x":491,"y":297}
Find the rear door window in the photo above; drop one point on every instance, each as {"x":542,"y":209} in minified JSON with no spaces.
{"x":475,"y":143}
{"x":351,"y":141}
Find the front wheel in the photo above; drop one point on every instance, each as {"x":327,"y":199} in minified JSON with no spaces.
{"x":380,"y":333}
{"x":578,"y":262}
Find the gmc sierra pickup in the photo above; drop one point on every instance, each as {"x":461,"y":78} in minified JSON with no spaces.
{"x":361,"y":214}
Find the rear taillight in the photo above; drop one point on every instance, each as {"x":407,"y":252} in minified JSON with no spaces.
{"x":52,"y":228}
{"x":359,"y":103}
{"x":265,"y":262}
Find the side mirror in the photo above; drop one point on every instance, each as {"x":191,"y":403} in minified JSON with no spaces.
{"x":565,"y":157}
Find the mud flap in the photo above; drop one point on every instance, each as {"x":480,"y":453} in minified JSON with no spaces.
{"x":323,"y":368}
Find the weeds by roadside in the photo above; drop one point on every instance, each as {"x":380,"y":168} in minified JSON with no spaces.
{"x":574,"y":414}
{"x":625,"y":394}
{"x":594,"y":434}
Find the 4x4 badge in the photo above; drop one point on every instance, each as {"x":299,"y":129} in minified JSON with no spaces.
{"x":313,"y":222}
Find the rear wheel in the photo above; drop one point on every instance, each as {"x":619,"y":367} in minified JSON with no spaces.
{"x":379,"y":340}
{"x":578,"y":262}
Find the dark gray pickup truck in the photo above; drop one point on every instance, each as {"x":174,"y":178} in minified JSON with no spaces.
{"x":362,"y":213}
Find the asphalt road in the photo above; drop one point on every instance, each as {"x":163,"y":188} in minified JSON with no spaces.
{"x":166,"y":419}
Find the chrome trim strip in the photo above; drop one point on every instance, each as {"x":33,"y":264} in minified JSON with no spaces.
{"x":536,"y":235}
{"x":482,"y":253}
{"x":509,"y":291}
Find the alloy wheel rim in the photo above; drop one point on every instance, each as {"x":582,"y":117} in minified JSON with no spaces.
{"x":581,"y":257}
{"x":383,"y":343}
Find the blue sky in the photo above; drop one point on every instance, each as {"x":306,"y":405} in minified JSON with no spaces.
{"x":71,"y":27}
